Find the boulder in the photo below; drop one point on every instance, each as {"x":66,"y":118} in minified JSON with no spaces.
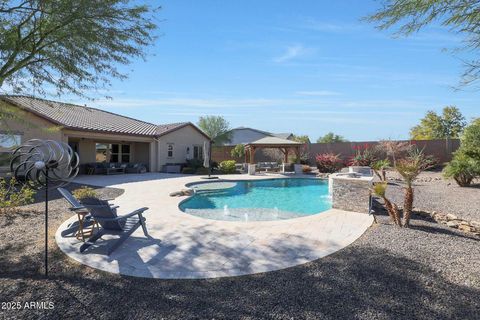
{"x":452,"y":224}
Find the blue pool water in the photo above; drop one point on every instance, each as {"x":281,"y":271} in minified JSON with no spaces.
{"x":273,"y":199}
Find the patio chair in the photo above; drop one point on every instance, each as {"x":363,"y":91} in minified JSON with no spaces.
{"x":111,"y":224}
{"x":76,"y":206}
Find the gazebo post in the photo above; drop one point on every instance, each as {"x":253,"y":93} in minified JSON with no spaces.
{"x":252,"y":155}
{"x":285,"y":153}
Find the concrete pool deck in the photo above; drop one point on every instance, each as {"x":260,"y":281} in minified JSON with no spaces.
{"x":185,"y":246}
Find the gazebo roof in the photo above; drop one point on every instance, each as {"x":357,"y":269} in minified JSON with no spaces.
{"x":274,"y":142}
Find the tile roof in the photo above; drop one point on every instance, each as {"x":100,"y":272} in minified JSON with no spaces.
{"x":83,"y":118}
{"x":165,"y":128}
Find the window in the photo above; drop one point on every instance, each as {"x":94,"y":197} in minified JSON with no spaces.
{"x":198,"y":152}
{"x":170,"y":150}
{"x":125,"y":153}
{"x":8,"y":142}
{"x":112,"y":152}
{"x":102,"y":152}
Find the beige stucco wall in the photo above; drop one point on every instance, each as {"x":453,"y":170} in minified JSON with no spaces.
{"x":141,"y":152}
{"x":143,"y":149}
{"x":181,"y":138}
{"x":34,"y":128}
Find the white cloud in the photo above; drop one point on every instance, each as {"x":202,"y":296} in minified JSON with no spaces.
{"x":293,"y":52}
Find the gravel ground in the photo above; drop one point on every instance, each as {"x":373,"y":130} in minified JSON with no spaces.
{"x":426,"y":272}
{"x":433,"y":193}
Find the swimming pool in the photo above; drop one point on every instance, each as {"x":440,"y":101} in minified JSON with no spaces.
{"x":258,"y":200}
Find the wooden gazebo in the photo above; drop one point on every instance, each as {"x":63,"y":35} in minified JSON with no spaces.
{"x":284,"y":145}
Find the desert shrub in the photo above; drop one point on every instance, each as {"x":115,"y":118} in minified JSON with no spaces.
{"x":84,"y":192}
{"x":194,"y":163}
{"x":328,"y":162}
{"x":364,"y":156}
{"x":470,"y":140}
{"x":463,"y":169}
{"x":12,"y":196}
{"x":227,"y":166}
{"x":188,"y":170}
{"x":202,"y":170}
{"x":306,"y":169}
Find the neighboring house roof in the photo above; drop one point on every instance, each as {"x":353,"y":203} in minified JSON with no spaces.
{"x":83,"y":118}
{"x":274,"y":141}
{"x":283,"y":135}
{"x":252,"y":129}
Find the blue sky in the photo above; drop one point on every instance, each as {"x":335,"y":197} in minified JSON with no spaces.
{"x":306,"y":67}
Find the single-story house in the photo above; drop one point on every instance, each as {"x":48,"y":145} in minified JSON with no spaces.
{"x":100,"y":136}
{"x":245,"y":135}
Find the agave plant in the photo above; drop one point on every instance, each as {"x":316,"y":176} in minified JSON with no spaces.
{"x":409,"y":168}
{"x":379,"y":167}
{"x":379,"y":189}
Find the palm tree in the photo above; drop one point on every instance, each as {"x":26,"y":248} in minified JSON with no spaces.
{"x":409,"y":168}
{"x":379,"y":189}
{"x":379,"y":167}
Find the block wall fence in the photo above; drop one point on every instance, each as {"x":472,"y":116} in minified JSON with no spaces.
{"x":441,"y":149}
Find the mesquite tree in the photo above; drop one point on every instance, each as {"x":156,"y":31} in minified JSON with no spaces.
{"x":69,"y":47}
{"x":459,"y":16}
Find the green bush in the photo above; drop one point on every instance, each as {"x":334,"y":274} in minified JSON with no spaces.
{"x":202,"y":170}
{"x":470,"y":141}
{"x":227,"y":166}
{"x":463,"y":168}
{"x":238,"y":151}
{"x":84,"y":192}
{"x":188,"y":170}
{"x":12,"y":196}
{"x":194,"y":164}
{"x":465,"y":165}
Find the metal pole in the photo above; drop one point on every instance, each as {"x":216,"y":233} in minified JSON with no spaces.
{"x":46,"y":224}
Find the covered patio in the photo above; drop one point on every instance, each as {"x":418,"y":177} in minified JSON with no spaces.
{"x":287,"y":147}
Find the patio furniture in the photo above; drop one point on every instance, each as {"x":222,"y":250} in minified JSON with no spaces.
{"x":112,"y":224}
{"x":135,"y":168}
{"x":173,"y":168}
{"x":85,"y":220}
{"x":96,"y":168}
{"x":115,"y":168}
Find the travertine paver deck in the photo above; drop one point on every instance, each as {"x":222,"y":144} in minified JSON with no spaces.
{"x":185,"y":246}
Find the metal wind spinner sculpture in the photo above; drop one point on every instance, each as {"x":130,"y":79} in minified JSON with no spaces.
{"x":44,"y":165}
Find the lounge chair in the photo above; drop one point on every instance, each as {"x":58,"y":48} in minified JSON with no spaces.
{"x":76,"y":206}
{"x":111,"y":224}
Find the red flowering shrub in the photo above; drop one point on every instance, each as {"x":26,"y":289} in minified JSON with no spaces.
{"x":329,"y":162}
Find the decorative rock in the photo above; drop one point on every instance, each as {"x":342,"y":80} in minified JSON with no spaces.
{"x":475,"y":224}
{"x":451,"y":216}
{"x":465,"y":228}
{"x":452,"y":224}
{"x":184,"y":192}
